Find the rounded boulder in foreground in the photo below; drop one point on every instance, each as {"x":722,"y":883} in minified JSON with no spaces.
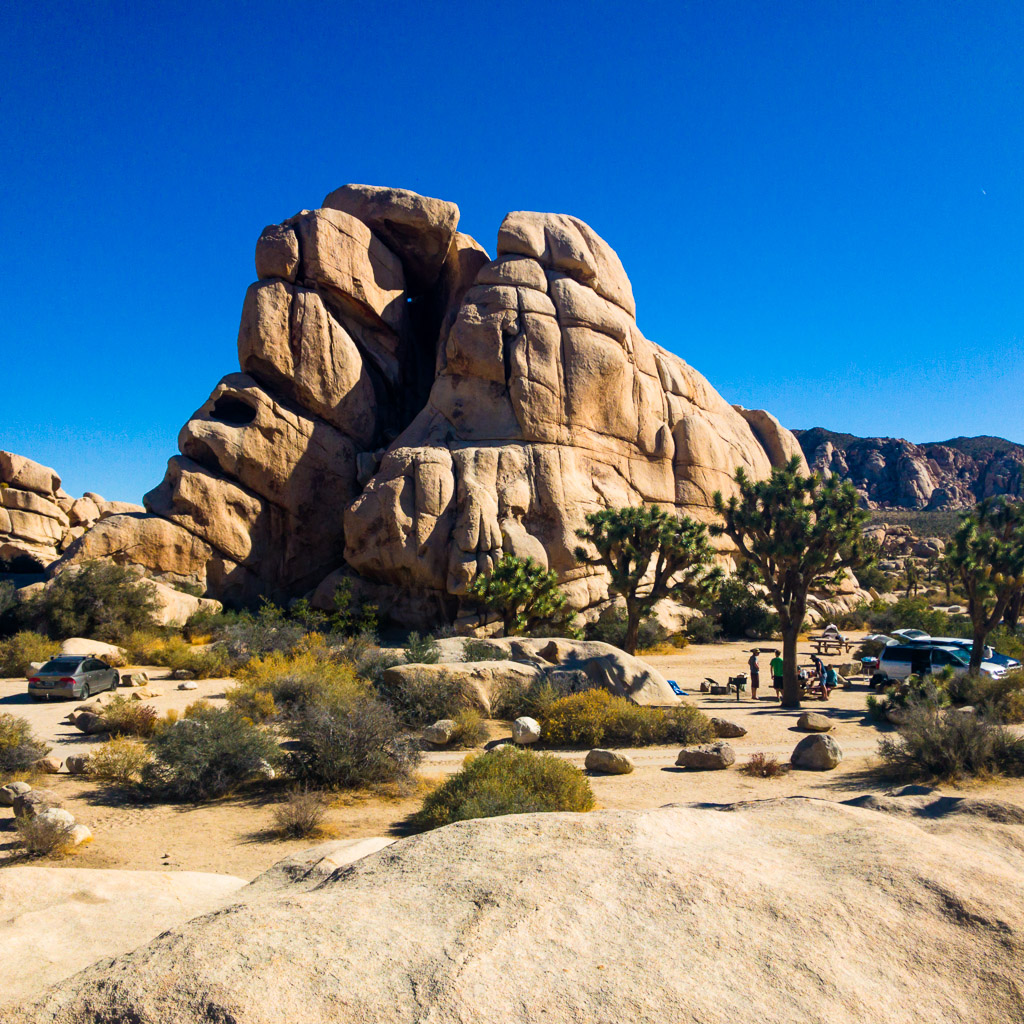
{"x":817,"y":753}
{"x":707,"y":756}
{"x":811,"y":721}
{"x":726,"y":730}
{"x":525,"y":731}
{"x":610,"y":762}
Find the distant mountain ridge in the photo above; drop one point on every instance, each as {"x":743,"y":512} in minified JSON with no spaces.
{"x":891,"y":472}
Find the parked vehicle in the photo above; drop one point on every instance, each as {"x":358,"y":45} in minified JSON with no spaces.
{"x":1004,"y":661}
{"x":896,"y":661}
{"x":77,"y":677}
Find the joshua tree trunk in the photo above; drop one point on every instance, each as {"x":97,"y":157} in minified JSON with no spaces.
{"x":978,"y":650}
{"x":791,"y":626}
{"x":632,"y":626}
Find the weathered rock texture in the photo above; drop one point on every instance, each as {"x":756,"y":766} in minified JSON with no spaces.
{"x":408,"y":410}
{"x":637,"y":916}
{"x":892,"y":472}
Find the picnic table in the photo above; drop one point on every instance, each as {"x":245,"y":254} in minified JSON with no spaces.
{"x":827,"y":644}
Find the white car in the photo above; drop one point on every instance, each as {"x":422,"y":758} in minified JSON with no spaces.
{"x":896,"y":661}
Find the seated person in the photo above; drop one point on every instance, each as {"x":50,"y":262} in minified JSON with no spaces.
{"x":825,"y":684}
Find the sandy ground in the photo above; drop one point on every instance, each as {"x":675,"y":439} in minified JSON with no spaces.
{"x":232,"y":836}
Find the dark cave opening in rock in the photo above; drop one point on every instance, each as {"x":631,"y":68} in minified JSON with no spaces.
{"x":233,"y":410}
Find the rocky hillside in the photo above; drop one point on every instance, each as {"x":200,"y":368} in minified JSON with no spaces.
{"x":409,"y":409}
{"x":894,"y":473}
{"x":908,"y":910}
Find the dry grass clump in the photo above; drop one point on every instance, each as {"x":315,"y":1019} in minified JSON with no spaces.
{"x":19,"y":748}
{"x":19,"y":651}
{"x":470,"y":729}
{"x":176,"y":653}
{"x":121,"y":761}
{"x":301,"y":814}
{"x":764,"y":766}
{"x":45,"y":835}
{"x":126,"y":717}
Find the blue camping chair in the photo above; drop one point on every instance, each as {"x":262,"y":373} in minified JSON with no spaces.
{"x":676,"y":690}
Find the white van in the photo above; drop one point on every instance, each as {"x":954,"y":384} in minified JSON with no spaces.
{"x":897,"y":661}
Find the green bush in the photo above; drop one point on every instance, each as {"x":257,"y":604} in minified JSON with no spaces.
{"x":872,"y":578}
{"x":940,"y":744}
{"x":421,"y":650}
{"x":19,"y":651}
{"x":98,"y":600}
{"x":347,"y":743}
{"x":421,"y":698}
{"x":120,"y":761}
{"x":177,"y":654}
{"x":742,"y":613}
{"x":916,"y":613}
{"x":1000,"y":700}
{"x":517,"y":696}
{"x":481,"y":650}
{"x":610,"y":628}
{"x":598,"y":718}
{"x":19,"y":748}
{"x":207,"y":754}
{"x":470,"y":729}
{"x":703,"y":630}
{"x":125,"y":717}
{"x":506,"y":781}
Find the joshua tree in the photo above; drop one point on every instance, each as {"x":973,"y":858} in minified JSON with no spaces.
{"x":987,"y":554}
{"x":794,"y":532}
{"x":522,"y":592}
{"x":650,"y":554}
{"x":911,"y":576}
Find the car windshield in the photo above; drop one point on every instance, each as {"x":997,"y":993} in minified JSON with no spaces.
{"x":961,"y":657}
{"x":66,"y":666}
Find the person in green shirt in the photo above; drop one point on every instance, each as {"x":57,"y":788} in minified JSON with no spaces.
{"x":777,"y":669}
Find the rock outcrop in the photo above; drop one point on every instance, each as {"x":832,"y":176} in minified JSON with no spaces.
{"x":893,"y":473}
{"x":637,"y":916}
{"x":408,"y":410}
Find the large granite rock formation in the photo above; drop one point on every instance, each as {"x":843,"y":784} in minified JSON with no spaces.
{"x":908,"y":910}
{"x":892,"y":472}
{"x":409,"y":409}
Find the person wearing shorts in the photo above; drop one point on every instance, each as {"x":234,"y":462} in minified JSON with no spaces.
{"x":778,"y":669}
{"x":755,"y":673}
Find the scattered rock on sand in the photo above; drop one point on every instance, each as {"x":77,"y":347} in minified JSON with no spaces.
{"x":10,"y":792}
{"x":440,"y":733}
{"x":525,"y":731}
{"x":811,"y":721}
{"x":611,"y":762}
{"x":707,"y":756}
{"x":77,"y":764}
{"x":80,"y":835}
{"x":189,"y":684}
{"x":818,"y":753}
{"x":724,"y":729}
{"x":134,"y":679}
{"x":90,"y":723}
{"x":48,"y":765}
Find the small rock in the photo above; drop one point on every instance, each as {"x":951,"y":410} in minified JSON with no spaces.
{"x":56,"y":816}
{"x":48,"y":765}
{"x":91,"y":724}
{"x":28,"y":805}
{"x":816,"y":753}
{"x":811,"y":721}
{"x":724,"y":729}
{"x":77,"y":764}
{"x":525,"y":731}
{"x":80,"y":834}
{"x":188,"y":685}
{"x":611,"y":762}
{"x":134,"y":679}
{"x":146,"y":694}
{"x":440,"y":732}
{"x":10,"y":792}
{"x":183,"y":673}
{"x":707,"y":756}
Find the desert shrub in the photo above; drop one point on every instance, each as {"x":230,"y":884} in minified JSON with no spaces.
{"x":703,"y":629}
{"x":125,"y":717}
{"x":855,"y":618}
{"x":421,"y":698}
{"x":1000,"y":700}
{"x":470,"y":729}
{"x":43,"y":837}
{"x":374,"y":663}
{"x":763,"y":766}
{"x":346,"y":743}
{"x":532,"y":695}
{"x":19,"y":651}
{"x":741,"y":612}
{"x":207,"y":754}
{"x":260,"y":634}
{"x":916,"y":613}
{"x":301,"y":814}
{"x":175,"y":653}
{"x":8,"y":601}
{"x":506,"y":781}
{"x":19,"y":748}
{"x":940,"y":744}
{"x":597,"y":717}
{"x":98,"y":600}
{"x":120,"y":760}
{"x":930,"y":690}
{"x":279,"y":684}
{"x":610,"y":628}
{"x":208,"y":623}
{"x":871,"y":577}
{"x":1007,"y":641}
{"x":480,"y":650}
{"x":421,"y":650}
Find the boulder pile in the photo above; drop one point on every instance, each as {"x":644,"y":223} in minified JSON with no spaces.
{"x":408,"y":409}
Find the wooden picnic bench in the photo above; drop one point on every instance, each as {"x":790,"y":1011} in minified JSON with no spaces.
{"x":830,"y":644}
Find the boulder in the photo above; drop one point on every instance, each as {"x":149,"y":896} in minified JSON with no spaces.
{"x":707,"y":756}
{"x":90,"y":723}
{"x":80,"y":835}
{"x":811,"y":721}
{"x":188,"y":684}
{"x":48,"y":765}
{"x":817,"y":753}
{"x":29,"y":804}
{"x":479,"y":679}
{"x":175,"y":607}
{"x":110,"y":653}
{"x":77,"y":764}
{"x":525,"y":731}
{"x":26,"y":475}
{"x":608,"y":762}
{"x":55,"y":817}
{"x":724,"y":729}
{"x":134,"y":679}
{"x":428,"y":924}
{"x":10,"y":792}
{"x":440,"y":733}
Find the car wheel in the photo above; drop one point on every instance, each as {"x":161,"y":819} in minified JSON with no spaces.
{"x":85,"y":692}
{"x":879,"y":679}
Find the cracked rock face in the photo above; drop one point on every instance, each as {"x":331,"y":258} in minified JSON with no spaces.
{"x":409,"y":410}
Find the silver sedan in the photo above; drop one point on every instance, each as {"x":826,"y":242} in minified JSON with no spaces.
{"x":75,"y":676}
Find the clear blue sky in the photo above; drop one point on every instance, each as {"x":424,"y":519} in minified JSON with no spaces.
{"x":819,"y":204}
